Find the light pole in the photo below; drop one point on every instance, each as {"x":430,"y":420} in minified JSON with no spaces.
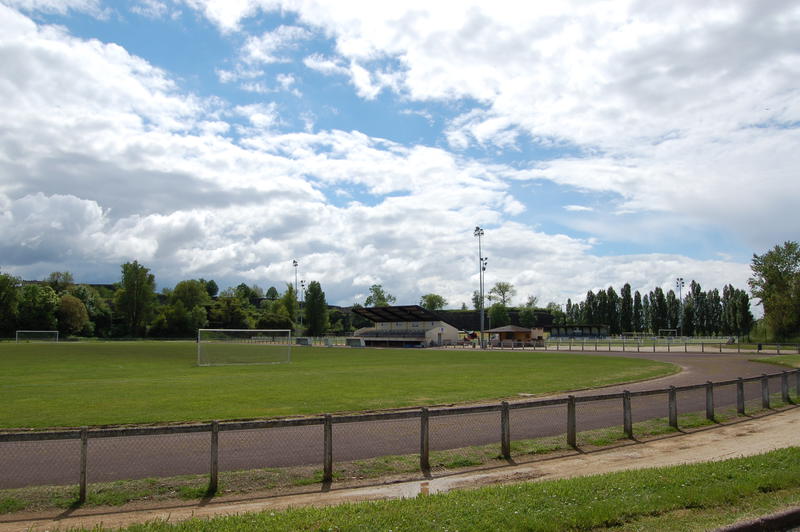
{"x":481,"y":269}
{"x":302,"y":298}
{"x":294,"y":263}
{"x":679,"y":285}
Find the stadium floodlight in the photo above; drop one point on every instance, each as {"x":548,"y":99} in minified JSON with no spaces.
{"x":481,"y":269}
{"x":223,"y":347}
{"x":37,"y":336}
{"x":679,"y":285}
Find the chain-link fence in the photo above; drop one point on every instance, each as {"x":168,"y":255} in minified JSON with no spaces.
{"x":412,"y":441}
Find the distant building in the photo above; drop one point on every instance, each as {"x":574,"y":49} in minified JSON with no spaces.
{"x":405,"y":326}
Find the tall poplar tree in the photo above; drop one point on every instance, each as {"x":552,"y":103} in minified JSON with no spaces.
{"x":316,"y":310}
{"x":135,"y":297}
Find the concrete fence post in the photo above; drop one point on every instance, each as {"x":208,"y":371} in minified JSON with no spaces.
{"x":505,"y":431}
{"x":638,"y":345}
{"x":702,"y":347}
{"x":785,"y":387}
{"x":685,"y":347}
{"x":720,"y":347}
{"x":764,"y":391}
{"x":673,"y":407}
{"x":710,"y":400}
{"x":572,"y":440}
{"x":424,"y":441}
{"x":738,"y":346}
{"x":627,"y":418}
{"x":654,"y":346}
{"x":595,"y":345}
{"x":779,"y":348}
{"x":327,"y":473}
{"x":84,"y":457}
{"x":740,"y":396}
{"x":797,"y":383}
{"x":668,"y":348}
{"x":213,"y":477}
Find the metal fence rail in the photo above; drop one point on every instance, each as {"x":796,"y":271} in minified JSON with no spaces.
{"x":104,"y":454}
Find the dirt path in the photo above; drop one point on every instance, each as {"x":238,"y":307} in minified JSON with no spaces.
{"x":741,"y":439}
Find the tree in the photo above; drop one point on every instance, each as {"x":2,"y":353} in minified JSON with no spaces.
{"x":135,"y":297}
{"x":498,"y":314}
{"x":432,"y":302}
{"x":378,"y":297}
{"x":211,"y":287}
{"x":191,"y":293}
{"x":229,"y":313}
{"x":272,"y":293}
{"x":502,"y":292}
{"x":626,"y":309}
{"x":532,"y":301}
{"x":776,"y":283}
{"x":289,"y":302}
{"x":658,"y":310}
{"x":60,"y":281}
{"x":316,"y":310}
{"x":613,"y":310}
{"x":637,"y":320}
{"x":37,"y":307}
{"x":9,"y":303}
{"x":559,"y":317}
{"x":97,"y":308}
{"x":673,"y":310}
{"x":476,"y":300}
{"x":72,"y":315}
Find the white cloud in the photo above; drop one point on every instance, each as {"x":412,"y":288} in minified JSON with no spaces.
{"x":267,"y":47}
{"x":578,"y":208}
{"x":135,"y":168}
{"x":660,"y":110}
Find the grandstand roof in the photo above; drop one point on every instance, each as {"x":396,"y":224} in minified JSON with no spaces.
{"x":400,"y":313}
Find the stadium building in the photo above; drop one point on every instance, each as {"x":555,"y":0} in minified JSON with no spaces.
{"x":405,"y":326}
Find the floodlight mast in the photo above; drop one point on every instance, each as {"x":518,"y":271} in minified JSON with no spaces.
{"x":481,"y":269}
{"x":679,"y":285}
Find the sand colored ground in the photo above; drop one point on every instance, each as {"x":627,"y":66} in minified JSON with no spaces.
{"x":745,"y":438}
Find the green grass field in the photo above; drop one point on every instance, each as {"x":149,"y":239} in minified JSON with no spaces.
{"x":99,"y":383}
{"x":693,"y":497}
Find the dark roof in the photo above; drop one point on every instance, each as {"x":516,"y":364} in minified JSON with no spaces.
{"x":469,"y":320}
{"x":509,"y":328}
{"x":401,"y":313}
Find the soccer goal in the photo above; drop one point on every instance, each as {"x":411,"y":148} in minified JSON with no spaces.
{"x":37,"y":336}
{"x":221,"y":347}
{"x":666,"y":333}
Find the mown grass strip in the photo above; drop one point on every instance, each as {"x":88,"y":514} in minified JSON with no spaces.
{"x":576,"y":504}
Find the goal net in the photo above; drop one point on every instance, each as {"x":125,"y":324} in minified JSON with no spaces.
{"x":220,"y":347}
{"x":37,"y":336}
{"x":667,"y":332}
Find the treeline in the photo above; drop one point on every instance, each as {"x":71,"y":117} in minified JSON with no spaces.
{"x":700,"y":313}
{"x":132,"y":308}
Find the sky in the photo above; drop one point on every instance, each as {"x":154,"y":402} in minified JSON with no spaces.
{"x":595,"y":142}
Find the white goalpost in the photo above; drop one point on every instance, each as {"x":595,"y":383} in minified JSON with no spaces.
{"x":37,"y":336}
{"x":222,"y":347}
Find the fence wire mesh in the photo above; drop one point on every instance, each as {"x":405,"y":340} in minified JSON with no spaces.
{"x":464,"y":440}
{"x":650,"y":415}
{"x":267,"y":458}
{"x":537,"y":430}
{"x":752,"y":397}
{"x":691,"y":407}
{"x":135,"y":457}
{"x":36,"y":463}
{"x":725,"y":402}
{"x":598,"y":423}
{"x":371,"y":449}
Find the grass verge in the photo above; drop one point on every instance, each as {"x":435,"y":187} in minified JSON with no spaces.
{"x":651,"y":497}
{"x":792,"y":361}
